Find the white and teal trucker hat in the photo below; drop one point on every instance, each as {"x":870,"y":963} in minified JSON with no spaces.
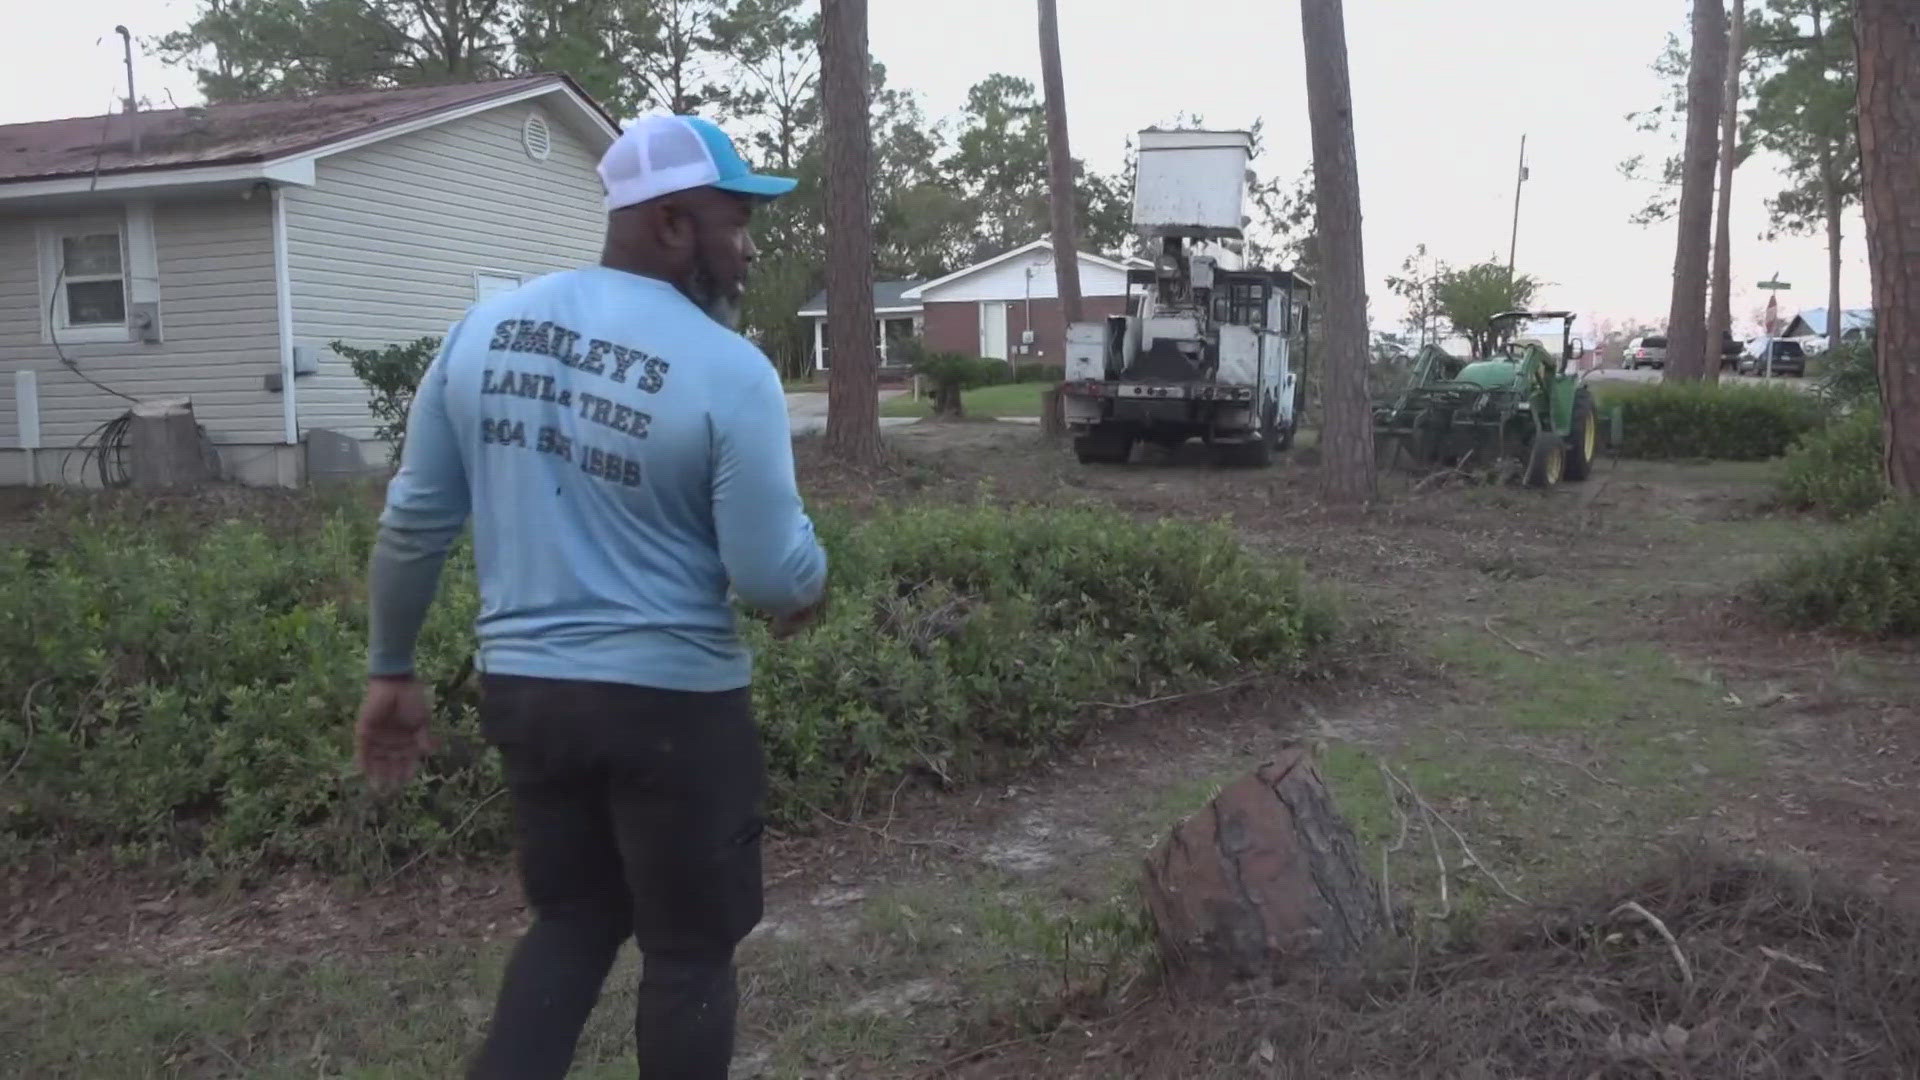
{"x":659,"y":155}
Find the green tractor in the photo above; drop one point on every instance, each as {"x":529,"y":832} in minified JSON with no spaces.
{"x":1517,"y":408}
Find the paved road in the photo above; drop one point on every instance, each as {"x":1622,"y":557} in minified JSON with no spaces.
{"x":807,"y":413}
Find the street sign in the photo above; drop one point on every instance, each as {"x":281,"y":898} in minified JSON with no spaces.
{"x":1776,"y":283}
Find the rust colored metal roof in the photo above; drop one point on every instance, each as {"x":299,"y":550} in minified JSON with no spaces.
{"x":232,"y":134}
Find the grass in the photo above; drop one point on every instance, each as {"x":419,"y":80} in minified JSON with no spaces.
{"x":1557,"y":738}
{"x":986,"y":402}
{"x":918,"y":964}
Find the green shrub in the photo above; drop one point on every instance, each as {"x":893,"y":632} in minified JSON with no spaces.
{"x":187,"y":692}
{"x":1838,"y":469}
{"x":1680,"y":421}
{"x":392,"y":375}
{"x":1035,"y":372}
{"x":1849,"y":376}
{"x":950,"y":374}
{"x":1867,"y":583}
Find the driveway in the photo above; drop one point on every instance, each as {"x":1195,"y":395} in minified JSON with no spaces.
{"x":807,"y":413}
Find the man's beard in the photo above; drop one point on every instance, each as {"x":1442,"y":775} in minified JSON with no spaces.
{"x":721,"y":305}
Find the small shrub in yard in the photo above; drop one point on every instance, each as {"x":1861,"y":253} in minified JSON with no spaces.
{"x":392,"y":375}
{"x":950,"y":374}
{"x":1867,"y":583}
{"x":187,"y":693}
{"x":1849,"y":376}
{"x":1838,"y":469}
{"x":1680,"y":421}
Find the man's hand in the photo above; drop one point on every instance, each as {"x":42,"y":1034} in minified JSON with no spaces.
{"x":391,"y":735}
{"x":785,"y":626}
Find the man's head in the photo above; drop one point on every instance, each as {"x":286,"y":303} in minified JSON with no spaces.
{"x":679,"y":198}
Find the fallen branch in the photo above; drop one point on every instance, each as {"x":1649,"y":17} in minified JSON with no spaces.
{"x":1516,"y":646}
{"x":1673,"y":944}
{"x":1203,"y":692}
{"x":1459,"y":470}
{"x":887,"y":836}
{"x":26,"y":715}
{"x":1558,"y":760}
{"x":455,"y":831}
{"x":1465,"y":849}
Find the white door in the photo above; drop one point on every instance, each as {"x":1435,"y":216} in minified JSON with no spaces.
{"x":993,"y":329}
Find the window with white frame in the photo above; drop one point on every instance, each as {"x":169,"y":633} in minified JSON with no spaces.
{"x":90,"y":290}
{"x":488,"y":284}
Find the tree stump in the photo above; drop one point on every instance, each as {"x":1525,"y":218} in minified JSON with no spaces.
{"x":1267,"y":876}
{"x":165,"y":445}
{"x":1053,"y":413}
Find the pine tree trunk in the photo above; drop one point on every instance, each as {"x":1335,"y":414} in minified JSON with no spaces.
{"x":1687,"y":346}
{"x":1720,"y":320}
{"x":853,"y":391}
{"x":1066,"y":260}
{"x":1266,"y":876}
{"x":1346,"y":435}
{"x":1836,"y":206}
{"x":1887,"y":36}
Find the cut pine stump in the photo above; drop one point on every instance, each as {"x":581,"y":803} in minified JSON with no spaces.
{"x":1265,"y":878}
{"x":1053,"y":414}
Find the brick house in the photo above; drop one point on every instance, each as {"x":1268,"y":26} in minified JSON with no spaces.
{"x":989,"y":309}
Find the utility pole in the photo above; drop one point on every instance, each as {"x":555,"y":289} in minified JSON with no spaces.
{"x":1520,"y":178}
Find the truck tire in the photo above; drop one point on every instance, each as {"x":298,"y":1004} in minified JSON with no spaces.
{"x":1106,"y":444}
{"x":1583,"y":436}
{"x":1252,"y":454}
{"x":1280,"y":437}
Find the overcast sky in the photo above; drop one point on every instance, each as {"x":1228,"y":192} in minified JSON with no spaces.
{"x":1443,"y":90}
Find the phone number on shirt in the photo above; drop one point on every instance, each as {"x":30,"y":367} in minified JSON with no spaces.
{"x":592,"y":460}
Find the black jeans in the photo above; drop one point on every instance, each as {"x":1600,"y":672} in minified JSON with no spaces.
{"x":637,"y":812}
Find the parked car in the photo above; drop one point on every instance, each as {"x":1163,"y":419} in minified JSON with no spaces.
{"x":1788,"y":358}
{"x":1731,"y":350}
{"x":1649,"y":351}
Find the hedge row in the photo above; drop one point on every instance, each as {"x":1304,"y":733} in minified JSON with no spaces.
{"x":184,"y":691}
{"x":1693,"y":421}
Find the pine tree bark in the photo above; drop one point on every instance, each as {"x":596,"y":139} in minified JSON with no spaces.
{"x":1266,"y":876}
{"x":1887,"y":37}
{"x":1832,"y":196}
{"x":1687,"y":346}
{"x":1066,"y":259}
{"x":1720,"y":319}
{"x":1347,"y":429}
{"x":853,"y":392}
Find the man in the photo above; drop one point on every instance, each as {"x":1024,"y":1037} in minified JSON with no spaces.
{"x":626,"y":459}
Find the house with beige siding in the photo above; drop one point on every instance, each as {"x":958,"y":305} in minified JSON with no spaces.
{"x":214,"y":253}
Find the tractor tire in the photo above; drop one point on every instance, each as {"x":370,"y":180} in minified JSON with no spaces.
{"x":1583,"y":437}
{"x":1104,"y":445}
{"x":1546,"y":461}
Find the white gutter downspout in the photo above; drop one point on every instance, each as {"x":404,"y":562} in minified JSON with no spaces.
{"x":283,"y":298}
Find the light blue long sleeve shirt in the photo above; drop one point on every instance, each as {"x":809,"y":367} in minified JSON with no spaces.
{"x":625,"y":461}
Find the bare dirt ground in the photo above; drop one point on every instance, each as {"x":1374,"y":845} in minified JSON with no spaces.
{"x":1568,"y":676}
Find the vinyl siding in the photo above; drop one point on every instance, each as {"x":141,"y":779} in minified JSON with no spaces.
{"x":383,"y":248}
{"x":221,"y":337}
